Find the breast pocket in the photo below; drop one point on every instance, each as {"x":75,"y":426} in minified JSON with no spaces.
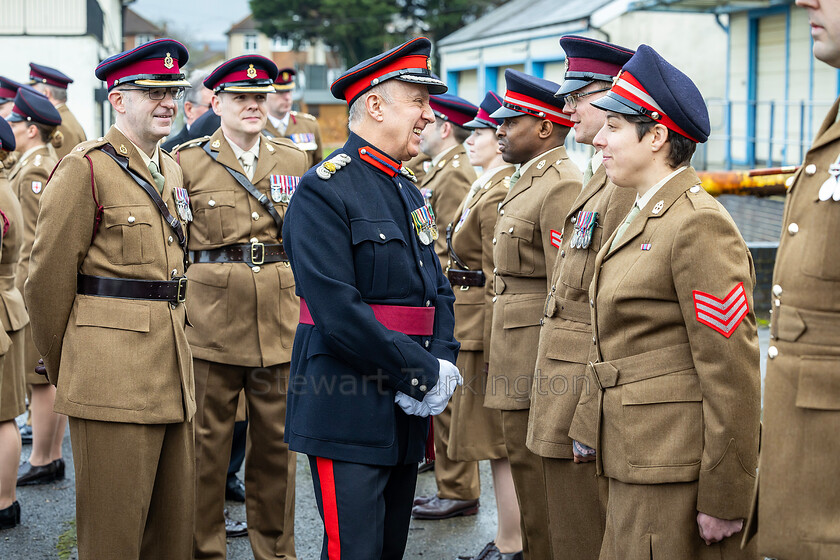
{"x":132,"y":224}
{"x":382,"y":267}
{"x":515,"y":250}
{"x":663,"y":421}
{"x":819,"y":383}
{"x":214,"y":216}
{"x":578,"y":269}
{"x":821,"y":253}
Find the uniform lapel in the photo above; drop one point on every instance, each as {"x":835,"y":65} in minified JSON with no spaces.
{"x":125,"y":148}
{"x":265,"y":163}
{"x":270,"y":129}
{"x":535,"y":170}
{"x":593,"y":187}
{"x":667,"y":195}
{"x":830,"y":129}
{"x":507,"y":171}
{"x":219,"y":144}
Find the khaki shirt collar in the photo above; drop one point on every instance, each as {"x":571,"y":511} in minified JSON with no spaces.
{"x":237,"y":151}
{"x":443,"y":154}
{"x":146,"y":159}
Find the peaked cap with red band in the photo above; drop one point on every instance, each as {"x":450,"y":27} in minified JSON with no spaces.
{"x":452,"y":108}
{"x":40,"y":74}
{"x":285,"y":79}
{"x":649,"y":85}
{"x":407,"y":63}
{"x":33,"y":107}
{"x":491,"y":103}
{"x":529,"y":95}
{"x":8,"y":89}
{"x":588,"y":60}
{"x":154,"y":64}
{"x":250,"y":73}
{"x":7,"y":137}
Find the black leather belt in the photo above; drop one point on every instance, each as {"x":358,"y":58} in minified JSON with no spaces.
{"x":253,"y":254}
{"x":173,"y":291}
{"x":459,"y":277}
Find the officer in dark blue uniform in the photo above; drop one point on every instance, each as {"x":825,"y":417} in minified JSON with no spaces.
{"x":374,"y":354}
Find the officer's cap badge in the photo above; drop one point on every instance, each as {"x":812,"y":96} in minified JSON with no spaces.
{"x":251,"y":72}
{"x":168,"y":62}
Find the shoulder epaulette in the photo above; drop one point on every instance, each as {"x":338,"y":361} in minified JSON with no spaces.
{"x":329,"y":167}
{"x":304,"y":115}
{"x":700,"y":199}
{"x":88,"y":145}
{"x":281,"y":141}
{"x":194,"y":143}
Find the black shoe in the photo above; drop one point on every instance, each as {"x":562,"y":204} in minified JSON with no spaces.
{"x":29,"y":475}
{"x":26,"y":434}
{"x":234,"y":490}
{"x":10,"y":516}
{"x":59,"y":468}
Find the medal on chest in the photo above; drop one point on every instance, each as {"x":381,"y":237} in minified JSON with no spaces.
{"x":585,"y":224}
{"x":464,"y":215}
{"x":830,"y":189}
{"x":302,"y":137}
{"x":283,"y":187}
{"x":424,"y":224}
{"x":182,"y":202}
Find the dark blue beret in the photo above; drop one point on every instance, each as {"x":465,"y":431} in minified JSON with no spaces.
{"x":649,"y":85}
{"x":588,"y":60}
{"x":154,"y":64}
{"x":250,"y":73}
{"x":40,"y":74}
{"x":408,"y":62}
{"x":31,"y":106}
{"x":529,"y":95}
{"x":452,"y":108}
{"x":7,"y":137}
{"x":491,"y":103}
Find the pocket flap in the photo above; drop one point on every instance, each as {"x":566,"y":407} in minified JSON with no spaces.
{"x":215,"y":275}
{"x":472,"y":296}
{"x":664,"y":389}
{"x":212,"y":199}
{"x":517,"y":227}
{"x":113,"y":313}
{"x":378,"y":231}
{"x":524,"y":312}
{"x":129,"y":215}
{"x":569,"y":345}
{"x":819,"y":383}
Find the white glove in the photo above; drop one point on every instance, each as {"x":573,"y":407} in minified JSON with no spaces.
{"x":411,"y":406}
{"x":448,"y":380}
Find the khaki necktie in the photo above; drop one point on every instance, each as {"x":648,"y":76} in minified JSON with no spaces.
{"x":281,"y":128}
{"x":515,"y":177}
{"x":247,"y":161}
{"x":474,"y":189}
{"x":159,"y":179}
{"x":624,"y":225}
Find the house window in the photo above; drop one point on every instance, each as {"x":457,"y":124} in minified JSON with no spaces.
{"x":143,"y":38}
{"x":278,"y":44}
{"x":251,"y":43}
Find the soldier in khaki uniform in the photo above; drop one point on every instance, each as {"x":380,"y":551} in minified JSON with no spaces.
{"x":243,"y":309}
{"x":34,"y":121}
{"x":419,"y":165}
{"x":530,"y":218}
{"x":675,"y":345}
{"x":476,"y":431}
{"x":105,"y":292}
{"x":576,"y":502}
{"x":445,"y":186}
{"x":53,"y":84}
{"x":798,"y":498}
{"x":300,"y":128}
{"x":14,"y":318}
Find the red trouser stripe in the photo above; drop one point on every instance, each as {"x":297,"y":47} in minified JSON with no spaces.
{"x":327,"y":479}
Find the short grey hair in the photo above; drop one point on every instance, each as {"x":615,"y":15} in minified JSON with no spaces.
{"x":385,"y":90}
{"x":193,"y":94}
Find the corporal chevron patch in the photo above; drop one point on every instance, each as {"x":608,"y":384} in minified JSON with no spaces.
{"x":556,"y":238}
{"x":723,"y":315}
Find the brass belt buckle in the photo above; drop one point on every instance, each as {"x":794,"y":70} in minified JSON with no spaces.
{"x":257,"y":253}
{"x":181,"y":296}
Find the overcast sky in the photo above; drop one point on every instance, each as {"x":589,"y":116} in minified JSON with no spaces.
{"x":205,"y":20}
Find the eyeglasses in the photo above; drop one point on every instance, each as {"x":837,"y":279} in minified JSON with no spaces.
{"x":571,"y":99}
{"x":157,"y":94}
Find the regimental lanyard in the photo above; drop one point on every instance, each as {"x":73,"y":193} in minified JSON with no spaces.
{"x":424,"y":224}
{"x":831,"y":188}
{"x":585,"y":224}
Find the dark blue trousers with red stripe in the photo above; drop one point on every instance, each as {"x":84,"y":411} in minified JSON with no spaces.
{"x":366,"y":509}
